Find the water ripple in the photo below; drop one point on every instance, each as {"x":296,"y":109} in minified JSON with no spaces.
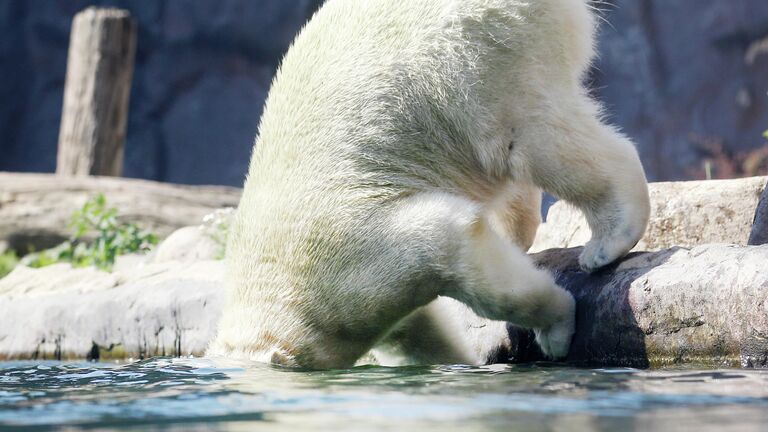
{"x":206,"y":392}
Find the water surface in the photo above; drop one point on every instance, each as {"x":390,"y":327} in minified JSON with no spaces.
{"x":203,"y":394}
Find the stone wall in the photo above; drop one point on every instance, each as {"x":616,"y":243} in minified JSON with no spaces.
{"x":684,"y":78}
{"x":687,"y":79}
{"x":203,"y":69}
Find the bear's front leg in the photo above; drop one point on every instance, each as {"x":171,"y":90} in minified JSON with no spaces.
{"x":516,"y":213}
{"x":501,"y":283}
{"x":483,"y":270}
{"x":572,"y":155}
{"x":617,"y":225}
{"x":616,"y":209}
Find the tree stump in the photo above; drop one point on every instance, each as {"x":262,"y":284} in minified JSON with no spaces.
{"x":99,"y":73}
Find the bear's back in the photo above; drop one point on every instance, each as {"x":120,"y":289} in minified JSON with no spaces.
{"x":376,"y":100}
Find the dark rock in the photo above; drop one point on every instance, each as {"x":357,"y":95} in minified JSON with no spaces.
{"x":704,"y":305}
{"x":210,"y":119}
{"x":759,"y":233}
{"x":679,"y":77}
{"x":202,"y":74}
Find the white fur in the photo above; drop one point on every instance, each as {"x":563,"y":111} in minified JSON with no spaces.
{"x":399,"y":159}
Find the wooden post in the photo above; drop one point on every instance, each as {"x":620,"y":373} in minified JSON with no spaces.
{"x":99,"y":72}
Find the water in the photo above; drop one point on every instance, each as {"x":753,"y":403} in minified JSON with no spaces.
{"x":200,"y":394}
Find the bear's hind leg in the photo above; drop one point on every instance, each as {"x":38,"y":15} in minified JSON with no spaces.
{"x":432,"y":334}
{"x":516,"y":214}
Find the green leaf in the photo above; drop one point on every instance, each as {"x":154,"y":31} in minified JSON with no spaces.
{"x":8,"y":261}
{"x":110,"y":238}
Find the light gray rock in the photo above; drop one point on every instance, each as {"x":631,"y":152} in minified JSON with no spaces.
{"x":154,"y":309}
{"x":188,"y":244}
{"x":682,"y":214}
{"x":707,"y":305}
{"x":206,"y":241}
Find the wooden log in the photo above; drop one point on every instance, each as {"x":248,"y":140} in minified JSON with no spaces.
{"x":99,"y":72}
{"x":36,"y":208}
{"x":759,"y":233}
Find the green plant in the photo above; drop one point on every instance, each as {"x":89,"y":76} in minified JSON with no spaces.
{"x":60,"y":253}
{"x":110,"y":238}
{"x":216,"y":226}
{"x":8,"y":261}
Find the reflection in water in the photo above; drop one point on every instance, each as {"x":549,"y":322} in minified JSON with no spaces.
{"x":205,"y":393}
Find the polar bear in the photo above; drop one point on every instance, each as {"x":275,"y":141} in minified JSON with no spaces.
{"x":400,"y":159}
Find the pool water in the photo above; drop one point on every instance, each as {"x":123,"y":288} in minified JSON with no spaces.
{"x":205,"y":394}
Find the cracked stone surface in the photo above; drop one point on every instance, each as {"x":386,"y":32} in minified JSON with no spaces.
{"x":143,"y":310}
{"x":707,"y":305}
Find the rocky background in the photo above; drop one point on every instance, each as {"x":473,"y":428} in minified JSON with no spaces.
{"x":687,"y":79}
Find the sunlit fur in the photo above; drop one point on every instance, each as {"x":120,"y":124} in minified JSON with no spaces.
{"x":399,"y":159}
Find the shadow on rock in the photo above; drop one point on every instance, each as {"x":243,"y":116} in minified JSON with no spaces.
{"x":607,"y":332}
